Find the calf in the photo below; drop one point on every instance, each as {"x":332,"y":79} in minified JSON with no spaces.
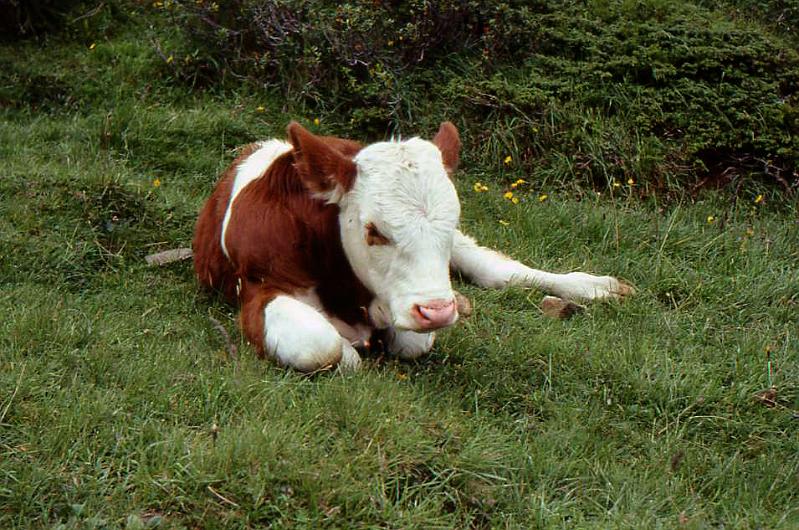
{"x":323,"y":241}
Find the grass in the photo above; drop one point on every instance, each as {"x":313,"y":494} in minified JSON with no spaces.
{"x":121,"y":408}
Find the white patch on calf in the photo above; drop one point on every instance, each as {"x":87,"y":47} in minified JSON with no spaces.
{"x":403,"y":190}
{"x":299,"y":336}
{"x":489,"y":268}
{"x":250,"y":169}
{"x":357,"y":335}
{"x":409,"y":344}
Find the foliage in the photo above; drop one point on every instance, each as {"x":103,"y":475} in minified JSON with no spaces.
{"x":362,"y":57}
{"x":657,"y":100}
{"x":664,"y":92}
{"x":20,"y":19}
{"x":778,"y":15}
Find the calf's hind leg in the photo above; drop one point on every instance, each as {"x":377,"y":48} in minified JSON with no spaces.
{"x":489,"y":268}
{"x":294,"y":333}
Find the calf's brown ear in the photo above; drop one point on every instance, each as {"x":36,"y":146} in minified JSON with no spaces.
{"x":449,"y":143}
{"x":320,"y":166}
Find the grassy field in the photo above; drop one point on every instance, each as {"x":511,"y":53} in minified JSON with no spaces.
{"x":121,"y":405}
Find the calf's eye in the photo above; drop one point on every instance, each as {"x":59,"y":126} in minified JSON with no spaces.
{"x":374,"y":237}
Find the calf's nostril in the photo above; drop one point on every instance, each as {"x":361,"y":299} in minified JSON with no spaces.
{"x":435,"y":312}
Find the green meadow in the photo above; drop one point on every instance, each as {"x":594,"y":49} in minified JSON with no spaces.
{"x":122,"y":405}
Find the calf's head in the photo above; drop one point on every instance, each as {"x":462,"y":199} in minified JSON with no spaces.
{"x":398,"y":216}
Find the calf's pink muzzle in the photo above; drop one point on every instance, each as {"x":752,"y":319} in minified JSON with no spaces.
{"x":435,"y":314}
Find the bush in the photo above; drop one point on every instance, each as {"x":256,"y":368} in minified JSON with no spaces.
{"x":369,"y":57}
{"x":656,"y":90}
{"x":779,"y":15}
{"x":66,"y":19}
{"x":20,"y":18}
{"x":664,"y":98}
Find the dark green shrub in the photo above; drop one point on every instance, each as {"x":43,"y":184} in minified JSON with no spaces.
{"x":778,"y":15}
{"x":660,"y":91}
{"x":366,"y":57}
{"x":700,"y":94}
{"x":21,"y":19}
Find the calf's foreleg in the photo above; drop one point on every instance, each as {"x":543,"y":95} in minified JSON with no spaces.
{"x":293,"y":332}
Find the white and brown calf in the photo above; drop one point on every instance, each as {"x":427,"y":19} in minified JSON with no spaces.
{"x":322,"y":241}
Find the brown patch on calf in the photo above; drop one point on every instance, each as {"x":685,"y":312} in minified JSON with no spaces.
{"x":210,"y":264}
{"x":254,"y":298}
{"x":281,"y":240}
{"x":348,"y":148}
{"x":319,"y":163}
{"x":449,"y":143}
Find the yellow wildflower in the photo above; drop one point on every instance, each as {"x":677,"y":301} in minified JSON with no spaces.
{"x":169,"y":59}
{"x":710,"y":219}
{"x":616,"y":184}
{"x":93,"y":45}
{"x":260,"y":108}
{"x":630,"y":181}
{"x":543,"y":197}
{"x":156,"y":182}
{"x":508,"y":195}
{"x":508,"y":160}
{"x":758,"y":199}
{"x":518,"y":183}
{"x":503,"y":222}
{"x":316,"y":121}
{"x":479,"y":187}
{"x":514,"y":200}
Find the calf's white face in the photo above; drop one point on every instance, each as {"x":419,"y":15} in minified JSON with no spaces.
{"x":397,"y":226}
{"x":398,"y":216}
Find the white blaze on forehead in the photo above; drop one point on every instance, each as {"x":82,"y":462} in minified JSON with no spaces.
{"x":404,"y":188}
{"x":252,"y":168}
